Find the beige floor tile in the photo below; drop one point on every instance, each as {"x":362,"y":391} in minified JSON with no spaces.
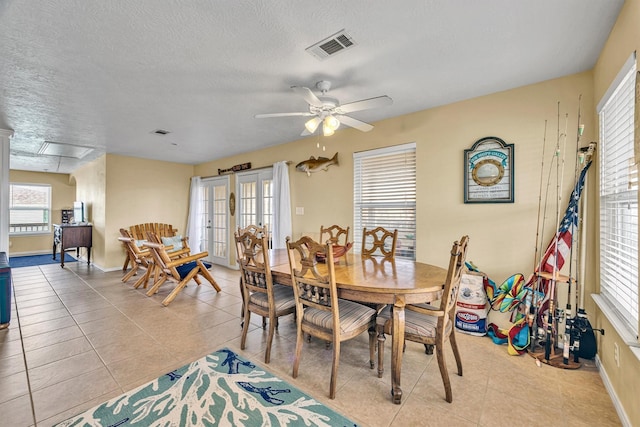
{"x":117,"y":321}
{"x":44,"y":327}
{"x":12,"y":333}
{"x":112,"y":336}
{"x":37,"y":295}
{"x":71,"y":412}
{"x":43,"y":317}
{"x":129,"y":347}
{"x":132,"y":339}
{"x":64,"y":369}
{"x":101,"y":313}
{"x":11,"y":365}
{"x":60,"y":397}
{"x":10,"y":348}
{"x":59,"y":351}
{"x":50,"y":338}
{"x":13,"y":386}
{"x":20,"y":291}
{"x":17,"y":412}
{"x":134,"y":368}
{"x":27,"y":309}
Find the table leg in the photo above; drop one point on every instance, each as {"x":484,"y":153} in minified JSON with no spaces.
{"x":397,"y":344}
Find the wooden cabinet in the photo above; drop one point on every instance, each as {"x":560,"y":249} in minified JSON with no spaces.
{"x":72,"y":236}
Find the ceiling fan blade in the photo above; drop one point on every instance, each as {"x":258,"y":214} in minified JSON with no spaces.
{"x":354,"y":123}
{"x":262,"y":116}
{"x":364,"y":104}
{"x":305,"y":132}
{"x":308,"y":96}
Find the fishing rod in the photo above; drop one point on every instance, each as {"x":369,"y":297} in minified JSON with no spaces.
{"x":533,"y":308}
{"x":581,"y":327}
{"x":552,"y":288}
{"x":568,"y":320}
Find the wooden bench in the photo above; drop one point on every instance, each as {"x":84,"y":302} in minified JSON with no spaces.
{"x":139,"y":232}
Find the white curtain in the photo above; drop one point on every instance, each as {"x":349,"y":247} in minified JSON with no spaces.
{"x":194,"y":227}
{"x":281,"y":205}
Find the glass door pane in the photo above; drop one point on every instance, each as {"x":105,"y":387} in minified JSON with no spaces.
{"x":255,"y":195}
{"x":216,"y":220}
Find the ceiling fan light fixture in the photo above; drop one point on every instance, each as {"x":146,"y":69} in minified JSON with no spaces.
{"x":329,"y":125}
{"x":313,"y":124}
{"x":331,"y":122}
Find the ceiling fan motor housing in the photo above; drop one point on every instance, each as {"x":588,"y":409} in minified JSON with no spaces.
{"x":328,"y":104}
{"x":323,"y":86}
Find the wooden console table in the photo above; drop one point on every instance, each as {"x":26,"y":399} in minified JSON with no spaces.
{"x":72,"y":236}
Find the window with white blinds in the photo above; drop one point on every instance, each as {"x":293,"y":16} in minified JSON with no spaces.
{"x":385,"y":194}
{"x":619,"y":198}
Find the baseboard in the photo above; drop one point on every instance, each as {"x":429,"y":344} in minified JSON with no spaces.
{"x":30,"y":253}
{"x":612,"y":394}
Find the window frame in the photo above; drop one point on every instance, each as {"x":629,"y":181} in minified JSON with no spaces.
{"x":48,"y":209}
{"x":618,"y":293}
{"x":405,"y":228}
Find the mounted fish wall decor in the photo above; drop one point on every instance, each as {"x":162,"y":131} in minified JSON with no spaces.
{"x":315,"y":165}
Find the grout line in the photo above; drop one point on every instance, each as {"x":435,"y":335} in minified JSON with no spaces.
{"x":77,"y":324}
{"x":24,"y":356}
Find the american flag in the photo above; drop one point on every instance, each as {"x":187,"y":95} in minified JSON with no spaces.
{"x":564,"y":236}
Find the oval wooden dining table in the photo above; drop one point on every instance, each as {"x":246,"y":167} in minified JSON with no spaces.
{"x":376,"y":280}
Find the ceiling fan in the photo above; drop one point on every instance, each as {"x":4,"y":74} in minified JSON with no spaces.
{"x":328,"y":111}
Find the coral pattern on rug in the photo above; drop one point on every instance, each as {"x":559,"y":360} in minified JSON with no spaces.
{"x":221,"y":389}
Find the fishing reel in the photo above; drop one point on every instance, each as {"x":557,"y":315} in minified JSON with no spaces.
{"x":582,"y":324}
{"x":583,"y":337}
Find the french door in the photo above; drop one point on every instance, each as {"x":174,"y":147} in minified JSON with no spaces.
{"x":215,"y":232}
{"x":255,"y":199}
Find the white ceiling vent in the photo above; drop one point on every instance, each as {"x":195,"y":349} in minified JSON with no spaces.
{"x":332,"y":45}
{"x":50,"y":148}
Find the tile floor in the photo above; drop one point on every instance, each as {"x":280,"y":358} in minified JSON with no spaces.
{"x":79,"y":337}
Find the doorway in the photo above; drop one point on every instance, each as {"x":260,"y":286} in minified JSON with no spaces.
{"x":215,"y":212}
{"x":255,"y":199}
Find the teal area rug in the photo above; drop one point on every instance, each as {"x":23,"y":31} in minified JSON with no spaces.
{"x":31,"y":260}
{"x":221,"y":389}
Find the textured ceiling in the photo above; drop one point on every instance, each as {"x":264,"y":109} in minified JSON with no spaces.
{"x":106,"y":74}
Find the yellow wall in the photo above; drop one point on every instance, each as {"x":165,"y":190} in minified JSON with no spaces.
{"x":90,"y":189}
{"x":141,"y":191}
{"x":502,"y":235}
{"x":63,"y":193}
{"x":623,"y":40}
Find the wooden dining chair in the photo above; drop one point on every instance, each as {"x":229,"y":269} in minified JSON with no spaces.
{"x":335,"y":234}
{"x":319,"y":311}
{"x":258,"y":231}
{"x":179,"y":270}
{"x":379,"y":241}
{"x":431,"y":325}
{"x":139,"y":259}
{"x":260,"y":295}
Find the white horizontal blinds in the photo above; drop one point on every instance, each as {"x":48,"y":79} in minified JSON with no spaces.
{"x":619,"y":199}
{"x":385,"y":194}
